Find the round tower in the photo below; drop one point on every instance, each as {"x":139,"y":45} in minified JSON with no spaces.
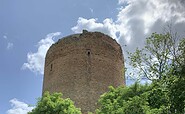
{"x":82,"y":66}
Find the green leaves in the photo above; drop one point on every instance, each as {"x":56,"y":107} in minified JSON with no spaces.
{"x":54,"y":104}
{"x":161,"y":53}
{"x":157,"y":97}
{"x":162,"y":60}
{"x":177,"y":95}
{"x":136,"y":99}
{"x":124,"y":100}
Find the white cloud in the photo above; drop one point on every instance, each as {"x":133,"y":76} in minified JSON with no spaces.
{"x":140,"y":18}
{"x":18,"y":107}
{"x":9,"y":45}
{"x":107,"y":27}
{"x":35,"y":61}
{"x":5,"y":37}
{"x":137,"y":19}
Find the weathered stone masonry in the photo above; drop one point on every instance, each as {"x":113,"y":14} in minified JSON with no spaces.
{"x":82,"y":66}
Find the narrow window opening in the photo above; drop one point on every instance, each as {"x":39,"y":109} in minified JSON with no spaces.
{"x":88,"y":53}
{"x":51,"y":67}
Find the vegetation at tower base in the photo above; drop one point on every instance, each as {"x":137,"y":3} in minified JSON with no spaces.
{"x":132,"y":100}
{"x":55,"y":104}
{"x":163,"y":61}
{"x":143,"y":99}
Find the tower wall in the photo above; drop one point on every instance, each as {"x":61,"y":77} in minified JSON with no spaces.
{"x":82,"y":66}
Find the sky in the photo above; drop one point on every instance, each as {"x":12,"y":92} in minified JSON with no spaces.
{"x":29,"y":27}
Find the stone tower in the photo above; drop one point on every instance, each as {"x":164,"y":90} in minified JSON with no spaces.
{"x":82,"y":66}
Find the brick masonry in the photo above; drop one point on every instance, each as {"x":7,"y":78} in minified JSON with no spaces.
{"x":82,"y":66}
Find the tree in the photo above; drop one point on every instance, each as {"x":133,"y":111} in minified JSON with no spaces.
{"x":130,"y":100}
{"x":162,"y":53}
{"x":176,"y":94}
{"x":54,"y":104}
{"x":162,"y":60}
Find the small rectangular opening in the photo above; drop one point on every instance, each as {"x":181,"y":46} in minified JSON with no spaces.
{"x":51,"y":67}
{"x":88,"y":51}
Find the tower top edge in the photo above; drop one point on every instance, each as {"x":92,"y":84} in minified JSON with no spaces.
{"x":73,"y":37}
{"x":85,"y":35}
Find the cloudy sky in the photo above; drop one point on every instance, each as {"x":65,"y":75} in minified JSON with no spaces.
{"x":29,"y":27}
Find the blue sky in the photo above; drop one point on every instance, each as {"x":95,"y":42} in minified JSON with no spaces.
{"x":29,"y":27}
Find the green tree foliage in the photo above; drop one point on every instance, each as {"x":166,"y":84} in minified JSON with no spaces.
{"x":162,"y":54}
{"x":131,"y":100}
{"x":162,"y":60}
{"x":176,"y":94}
{"x":54,"y":104}
{"x":157,"y":97}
